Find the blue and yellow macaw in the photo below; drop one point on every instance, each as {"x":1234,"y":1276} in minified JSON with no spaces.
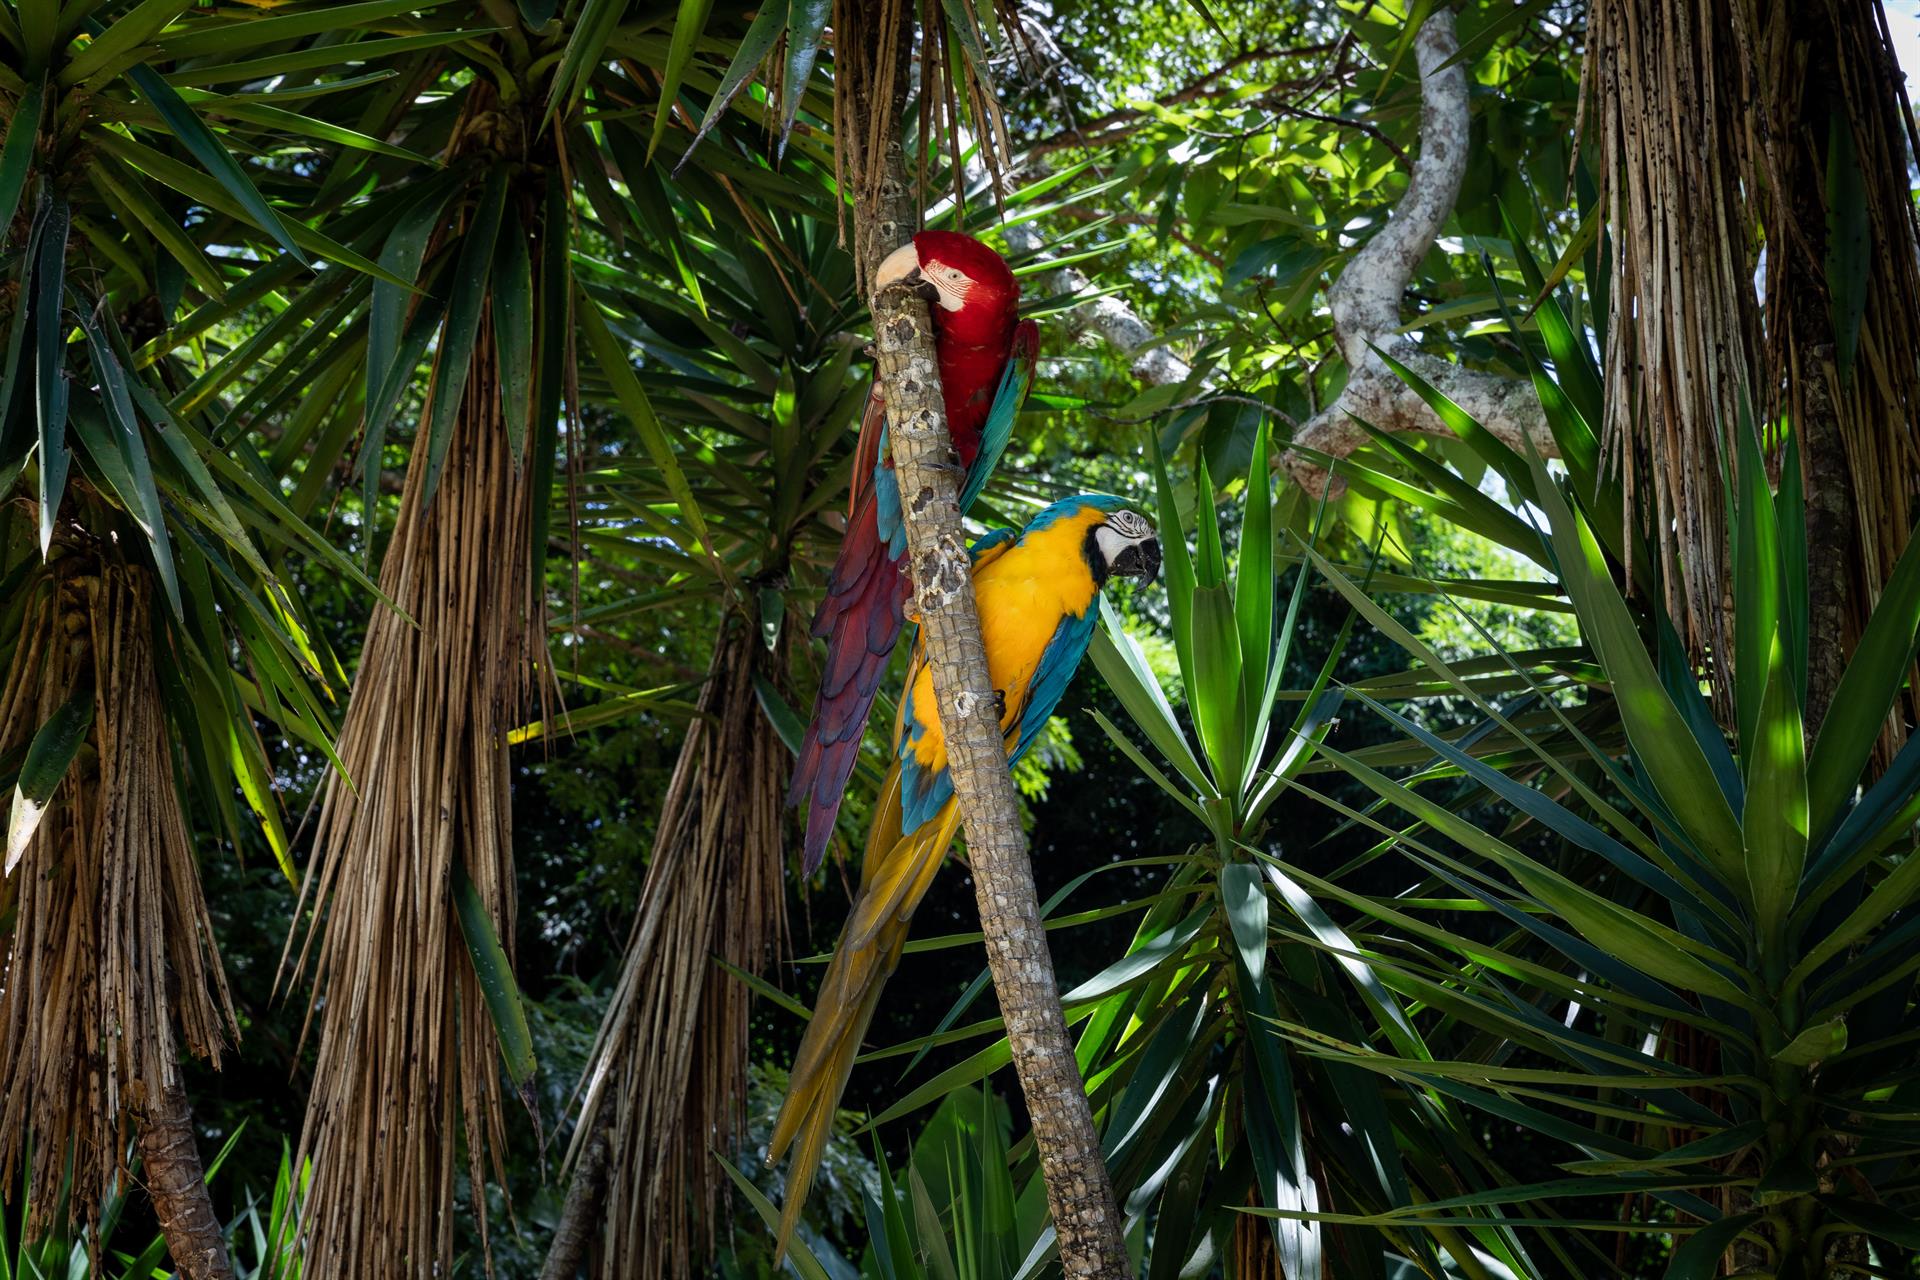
{"x":1038,"y":595}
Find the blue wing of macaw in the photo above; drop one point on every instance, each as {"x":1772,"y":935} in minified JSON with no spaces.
{"x":922,"y":792}
{"x":991,"y":541}
{"x":1058,"y":661}
{"x":1015,"y":381}
{"x":886,"y":503}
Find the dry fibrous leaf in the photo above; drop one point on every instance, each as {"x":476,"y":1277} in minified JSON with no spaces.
{"x":408,"y":1073}
{"x":668,"y":1074}
{"x":1684,"y":331}
{"x":1723,"y":127}
{"x":110,"y":968}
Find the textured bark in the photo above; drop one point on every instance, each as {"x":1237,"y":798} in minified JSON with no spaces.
{"x":1802,"y":48}
{"x":1366,"y":299}
{"x":585,"y":1191}
{"x":1079,"y":1192}
{"x":1769,"y":87}
{"x":176,"y":1181}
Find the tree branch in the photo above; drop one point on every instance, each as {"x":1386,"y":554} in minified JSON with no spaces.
{"x":1110,"y":317}
{"x":1366,"y":299}
{"x":1365,"y":302}
{"x":1080,"y":1193}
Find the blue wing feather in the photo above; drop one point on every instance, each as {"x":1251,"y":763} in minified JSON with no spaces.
{"x":989,"y":540}
{"x":923,"y":791}
{"x":1058,"y":661}
{"x":886,"y":502}
{"x":1015,"y":380}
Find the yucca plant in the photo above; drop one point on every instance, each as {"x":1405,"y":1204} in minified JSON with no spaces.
{"x":1700,"y":979}
{"x":951,"y":1213}
{"x":1715,"y":912}
{"x":1209,"y":1107}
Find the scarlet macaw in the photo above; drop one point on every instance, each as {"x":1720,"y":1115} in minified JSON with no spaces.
{"x":1037,"y":596}
{"x":986,"y":356}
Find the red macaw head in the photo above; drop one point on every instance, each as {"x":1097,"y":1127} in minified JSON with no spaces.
{"x":977,"y":300}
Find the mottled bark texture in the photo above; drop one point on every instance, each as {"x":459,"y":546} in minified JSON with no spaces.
{"x":1366,"y":299}
{"x":177,"y":1183}
{"x":1079,"y":1192}
{"x":1365,"y":304}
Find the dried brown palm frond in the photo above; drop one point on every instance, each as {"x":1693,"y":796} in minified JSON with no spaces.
{"x":109,"y":965}
{"x":668,"y":1080}
{"x":1254,"y":1257}
{"x":1832,"y":145}
{"x":1722,"y":126}
{"x":1684,"y":329}
{"x":408,"y":1056}
{"x":873,"y":43}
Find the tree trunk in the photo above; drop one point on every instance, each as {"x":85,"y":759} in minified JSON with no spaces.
{"x":1801,"y":128}
{"x":1079,"y":1192}
{"x":585,"y":1191}
{"x":176,"y":1181}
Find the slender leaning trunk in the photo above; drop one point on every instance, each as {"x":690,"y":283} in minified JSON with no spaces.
{"x":1079,"y":1192}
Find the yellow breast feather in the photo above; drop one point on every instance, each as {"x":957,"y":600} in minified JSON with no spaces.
{"x":1023,"y":593}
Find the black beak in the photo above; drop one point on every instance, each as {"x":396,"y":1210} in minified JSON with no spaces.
{"x":1139,"y":560}
{"x":923,"y":287}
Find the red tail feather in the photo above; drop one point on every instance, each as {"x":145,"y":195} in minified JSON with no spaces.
{"x":861,"y":618}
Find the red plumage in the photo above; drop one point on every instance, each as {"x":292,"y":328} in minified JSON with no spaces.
{"x":863,"y":611}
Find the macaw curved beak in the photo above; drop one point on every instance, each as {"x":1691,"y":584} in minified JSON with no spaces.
{"x":902,"y":267}
{"x":1139,"y":560}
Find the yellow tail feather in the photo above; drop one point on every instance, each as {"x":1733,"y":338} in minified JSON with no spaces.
{"x":896,"y":876}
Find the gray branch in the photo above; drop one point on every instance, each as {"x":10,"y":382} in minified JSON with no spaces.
{"x":1366,"y":299}
{"x":1365,"y":302}
{"x":1109,"y":318}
